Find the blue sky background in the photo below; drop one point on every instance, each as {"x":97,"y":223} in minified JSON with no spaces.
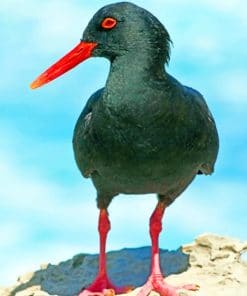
{"x":47,"y":211}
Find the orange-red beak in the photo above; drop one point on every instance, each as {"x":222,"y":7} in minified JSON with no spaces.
{"x":77,"y":55}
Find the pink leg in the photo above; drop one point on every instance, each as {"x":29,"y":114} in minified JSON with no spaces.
{"x":156,"y":281}
{"x":102,"y":286}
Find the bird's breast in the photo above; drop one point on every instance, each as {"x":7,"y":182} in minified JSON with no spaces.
{"x":122,"y":143}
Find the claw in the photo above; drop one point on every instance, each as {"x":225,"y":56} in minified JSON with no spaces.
{"x":108,"y":292}
{"x":190,"y":287}
{"x":158,"y":284}
{"x":105,"y":292}
{"x":129,"y":289}
{"x":102,"y":286}
{"x":90,"y":293}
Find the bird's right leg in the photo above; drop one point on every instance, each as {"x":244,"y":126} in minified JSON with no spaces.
{"x":156,"y":280}
{"x":102,"y":286}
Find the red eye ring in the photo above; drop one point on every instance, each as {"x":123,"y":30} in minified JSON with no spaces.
{"x":109,"y":23}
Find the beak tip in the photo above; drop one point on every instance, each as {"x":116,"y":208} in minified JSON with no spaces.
{"x":34,"y":85}
{"x":77,"y":55}
{"x":31,"y":86}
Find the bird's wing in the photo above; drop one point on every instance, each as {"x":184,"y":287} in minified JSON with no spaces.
{"x":82,"y":149}
{"x":91,"y":103}
{"x":210,"y":139}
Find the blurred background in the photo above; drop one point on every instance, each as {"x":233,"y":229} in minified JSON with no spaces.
{"x":47,"y":210}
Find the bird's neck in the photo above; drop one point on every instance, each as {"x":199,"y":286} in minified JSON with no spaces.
{"x":131,"y":73}
{"x":131,"y":85}
{"x":137,"y":66}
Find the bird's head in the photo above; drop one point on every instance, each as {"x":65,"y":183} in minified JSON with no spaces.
{"x":115,"y":30}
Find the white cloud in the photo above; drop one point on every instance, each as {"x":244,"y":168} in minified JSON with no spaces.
{"x":208,"y":44}
{"x":25,"y":192}
{"x":217,"y":208}
{"x":234,"y":8}
{"x":11,"y":233}
{"x":232,"y":87}
{"x":54,"y":24}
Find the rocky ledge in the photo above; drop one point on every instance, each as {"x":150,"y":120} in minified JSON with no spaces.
{"x":218,"y":264}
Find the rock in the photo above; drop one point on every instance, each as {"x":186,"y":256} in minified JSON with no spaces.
{"x":25,"y":277}
{"x":4,"y":291}
{"x":218,"y":264}
{"x":32,"y":291}
{"x":126,"y":267}
{"x":209,"y":249}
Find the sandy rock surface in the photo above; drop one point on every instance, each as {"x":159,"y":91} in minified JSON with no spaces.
{"x":217,"y":264}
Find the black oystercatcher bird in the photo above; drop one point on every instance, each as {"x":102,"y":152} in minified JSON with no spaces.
{"x":144,"y":132}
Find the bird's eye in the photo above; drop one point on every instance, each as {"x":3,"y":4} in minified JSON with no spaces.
{"x":109,"y":23}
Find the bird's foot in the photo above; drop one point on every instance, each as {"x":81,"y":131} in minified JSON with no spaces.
{"x":157,"y":284}
{"x":102,"y":286}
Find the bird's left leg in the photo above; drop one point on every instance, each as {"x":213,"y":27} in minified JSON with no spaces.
{"x":156,"y":280}
{"x":102,"y":286}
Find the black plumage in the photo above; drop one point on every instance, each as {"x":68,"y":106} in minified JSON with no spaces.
{"x":144,"y":132}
